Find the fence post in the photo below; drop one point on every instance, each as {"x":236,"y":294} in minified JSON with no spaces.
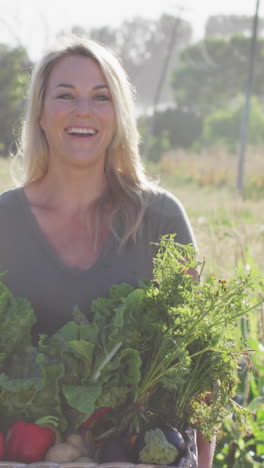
{"x":246,"y":111}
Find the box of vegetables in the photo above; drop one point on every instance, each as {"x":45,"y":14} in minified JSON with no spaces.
{"x":132,"y":380}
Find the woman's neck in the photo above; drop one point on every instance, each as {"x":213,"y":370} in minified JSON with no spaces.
{"x":68,"y":193}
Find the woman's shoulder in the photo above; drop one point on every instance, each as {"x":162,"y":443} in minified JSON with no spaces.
{"x":165,"y":214}
{"x":160,"y":201}
{"x":8,"y":200}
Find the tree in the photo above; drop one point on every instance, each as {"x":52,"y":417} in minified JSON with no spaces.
{"x":14,"y":68}
{"x":141,"y":43}
{"x":173,"y":128}
{"x":213,"y":72}
{"x":147,"y":73}
{"x":222,"y":126}
{"x":226,"y":26}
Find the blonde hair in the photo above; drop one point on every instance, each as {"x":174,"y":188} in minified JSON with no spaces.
{"x":127,"y":181}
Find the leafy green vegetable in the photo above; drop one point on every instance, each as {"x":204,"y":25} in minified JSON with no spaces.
{"x":195,"y":350}
{"x":82,"y":397}
{"x":153,"y":353}
{"x":16,"y":318}
{"x":30,"y":388}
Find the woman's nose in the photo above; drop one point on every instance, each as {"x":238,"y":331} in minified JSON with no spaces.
{"x":84,"y":106}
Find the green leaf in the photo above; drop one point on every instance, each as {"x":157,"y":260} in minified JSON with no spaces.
{"x":16,"y":320}
{"x":82,"y":397}
{"x":68,"y":332}
{"x":31,"y":390}
{"x":113,"y":395}
{"x":83,"y":348}
{"x":257,"y":402}
{"x":47,"y":401}
{"x":89,"y":332}
{"x":130,"y":364}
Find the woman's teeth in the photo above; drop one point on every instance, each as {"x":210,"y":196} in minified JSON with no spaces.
{"x":83,"y":131}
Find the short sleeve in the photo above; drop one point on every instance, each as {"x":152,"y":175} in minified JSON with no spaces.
{"x":173,"y":219}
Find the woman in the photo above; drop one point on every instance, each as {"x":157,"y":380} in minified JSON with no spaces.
{"x":85,"y":215}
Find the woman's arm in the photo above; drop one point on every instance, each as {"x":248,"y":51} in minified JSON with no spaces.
{"x":206,"y":450}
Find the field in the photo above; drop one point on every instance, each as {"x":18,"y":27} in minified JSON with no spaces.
{"x":230,"y":233}
{"x":229,"y":230}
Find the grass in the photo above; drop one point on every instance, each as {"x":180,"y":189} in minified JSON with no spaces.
{"x":229,"y":230}
{"x":215,"y":169}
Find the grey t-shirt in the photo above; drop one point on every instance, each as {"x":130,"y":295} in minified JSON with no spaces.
{"x":34,"y":270}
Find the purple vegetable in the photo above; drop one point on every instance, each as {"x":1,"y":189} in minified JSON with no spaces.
{"x":115,"y":449}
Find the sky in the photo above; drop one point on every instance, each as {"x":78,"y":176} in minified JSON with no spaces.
{"x":35,"y":24}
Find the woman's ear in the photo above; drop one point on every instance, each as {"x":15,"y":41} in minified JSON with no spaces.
{"x":42,"y":129}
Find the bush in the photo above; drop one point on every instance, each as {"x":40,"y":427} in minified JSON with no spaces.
{"x":222,"y":127}
{"x":171,"y":129}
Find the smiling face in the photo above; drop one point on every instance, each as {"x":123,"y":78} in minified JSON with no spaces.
{"x":78,"y":116}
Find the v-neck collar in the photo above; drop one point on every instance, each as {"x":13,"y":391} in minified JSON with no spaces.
{"x":44,"y":244}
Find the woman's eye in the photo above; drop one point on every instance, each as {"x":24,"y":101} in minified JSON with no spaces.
{"x":101,"y":97}
{"x":65,"y":96}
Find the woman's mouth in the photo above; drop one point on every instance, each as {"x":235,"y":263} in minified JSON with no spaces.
{"x":81,"y":131}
